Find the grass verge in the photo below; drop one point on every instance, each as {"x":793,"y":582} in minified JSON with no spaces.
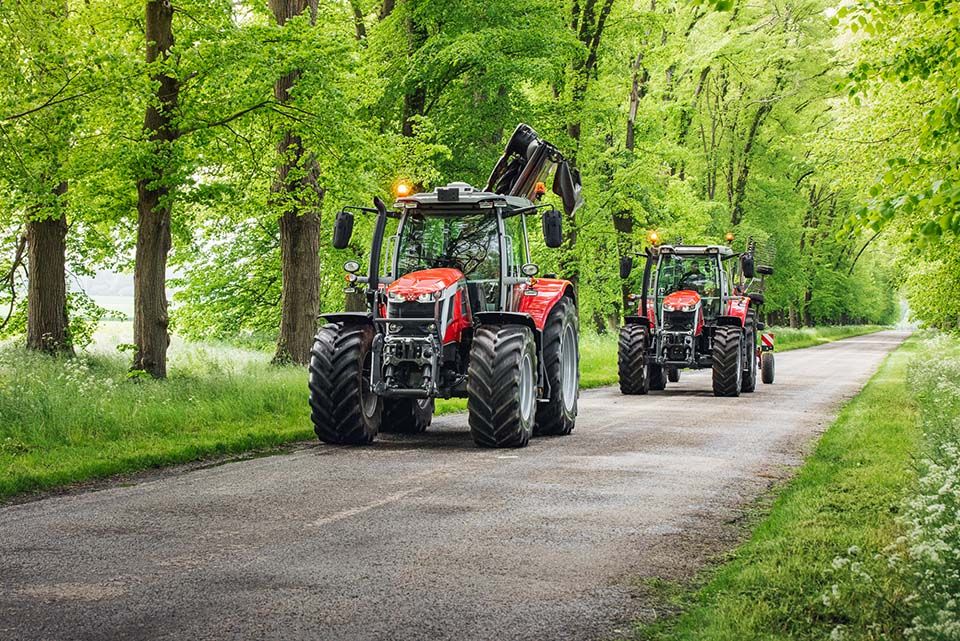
{"x":785,"y":581}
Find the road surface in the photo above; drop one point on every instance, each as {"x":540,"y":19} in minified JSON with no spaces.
{"x":426,"y":537}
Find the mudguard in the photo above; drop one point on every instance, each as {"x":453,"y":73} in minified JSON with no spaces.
{"x":506,"y":318}
{"x":349,"y":318}
{"x":636,"y":320}
{"x":736,"y":312}
{"x":549,"y":292}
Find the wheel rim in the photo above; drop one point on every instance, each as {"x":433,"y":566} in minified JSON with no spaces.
{"x":368,"y":400}
{"x":526,"y":387}
{"x":568,"y":367}
{"x":740,"y":364}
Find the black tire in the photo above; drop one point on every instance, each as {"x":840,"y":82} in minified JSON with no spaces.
{"x":501,"y":414}
{"x":406,"y":415}
{"x":658,"y":378}
{"x":558,"y":416}
{"x":727,"y":360}
{"x":630,"y":360}
{"x":344,"y":410}
{"x":673,"y":374}
{"x":767,"y":367}
{"x":748,"y":382}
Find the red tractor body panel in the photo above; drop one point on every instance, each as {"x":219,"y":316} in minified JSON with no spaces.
{"x":682,"y":298}
{"x":458,"y":321}
{"x":738,"y":307}
{"x":549,"y":292}
{"x":424,"y":282}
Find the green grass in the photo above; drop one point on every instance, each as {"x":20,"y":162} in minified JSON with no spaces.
{"x":844,"y":499}
{"x":64,"y":421}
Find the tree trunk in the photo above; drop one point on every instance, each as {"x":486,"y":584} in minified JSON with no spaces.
{"x":150,"y":319}
{"x":298,"y":193}
{"x":47,"y":322}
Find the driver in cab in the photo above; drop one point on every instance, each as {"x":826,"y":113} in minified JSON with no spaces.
{"x":694,"y":279}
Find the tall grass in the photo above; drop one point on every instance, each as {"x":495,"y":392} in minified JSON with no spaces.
{"x":63,"y":420}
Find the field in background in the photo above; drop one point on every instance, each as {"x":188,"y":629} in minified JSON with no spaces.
{"x":64,"y":421}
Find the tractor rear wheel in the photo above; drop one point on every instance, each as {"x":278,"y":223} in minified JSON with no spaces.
{"x":344,"y":409}
{"x":406,"y":415}
{"x":727,"y":360}
{"x":767,"y":367}
{"x":630,"y":360}
{"x":502,"y":386}
{"x":673,"y":374}
{"x":658,"y":377}
{"x":748,"y":381}
{"x":561,"y":362}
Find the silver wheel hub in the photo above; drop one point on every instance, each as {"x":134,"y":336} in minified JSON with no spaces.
{"x":527,"y":392}
{"x":568,"y":367}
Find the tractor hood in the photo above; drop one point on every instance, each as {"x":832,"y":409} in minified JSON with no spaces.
{"x":685,"y":300}
{"x":425,"y":285}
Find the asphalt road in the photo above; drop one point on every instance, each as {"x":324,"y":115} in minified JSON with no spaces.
{"x":426,"y":537}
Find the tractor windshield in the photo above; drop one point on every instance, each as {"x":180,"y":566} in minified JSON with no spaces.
{"x":696,"y":273}
{"x":468,"y":243}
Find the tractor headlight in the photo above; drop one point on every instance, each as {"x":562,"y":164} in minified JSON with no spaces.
{"x":395,"y":298}
{"x":430,"y":298}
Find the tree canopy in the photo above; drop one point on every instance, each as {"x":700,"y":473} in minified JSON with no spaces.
{"x":827,"y":133}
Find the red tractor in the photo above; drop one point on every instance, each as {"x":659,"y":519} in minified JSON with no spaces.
{"x":698,"y":309}
{"x":456,"y":309}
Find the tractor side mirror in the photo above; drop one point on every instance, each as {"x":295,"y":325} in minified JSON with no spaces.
{"x":766,"y":270}
{"x":553,"y":228}
{"x":746,"y":264}
{"x":342,"y":229}
{"x":626,"y":266}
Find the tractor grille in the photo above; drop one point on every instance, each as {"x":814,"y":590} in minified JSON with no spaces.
{"x":410,"y":310}
{"x":679,"y":321}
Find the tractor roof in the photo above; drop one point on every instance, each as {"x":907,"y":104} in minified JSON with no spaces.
{"x":695,"y":250}
{"x":460,"y":198}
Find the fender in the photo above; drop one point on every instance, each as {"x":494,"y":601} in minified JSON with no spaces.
{"x":549,"y":291}
{"x":736,"y":311}
{"x":349,"y":318}
{"x":637,"y":320}
{"x":508,"y":318}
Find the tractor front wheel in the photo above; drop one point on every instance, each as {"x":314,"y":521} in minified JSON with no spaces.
{"x":561,"y":362}
{"x":502,"y":386}
{"x":767,"y":367}
{"x":406,"y":415}
{"x":658,"y":377}
{"x":630,"y":360}
{"x":673,"y":374}
{"x":727,"y":360}
{"x":344,"y":409}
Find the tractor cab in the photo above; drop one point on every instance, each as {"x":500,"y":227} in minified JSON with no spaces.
{"x":474,"y":235}
{"x":690,"y":280}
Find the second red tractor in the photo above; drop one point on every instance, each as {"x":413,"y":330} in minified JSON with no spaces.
{"x":697,"y":309}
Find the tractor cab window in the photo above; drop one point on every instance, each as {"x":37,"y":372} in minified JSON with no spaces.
{"x":470,"y":244}
{"x":696,"y":273}
{"x":516,"y":240}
